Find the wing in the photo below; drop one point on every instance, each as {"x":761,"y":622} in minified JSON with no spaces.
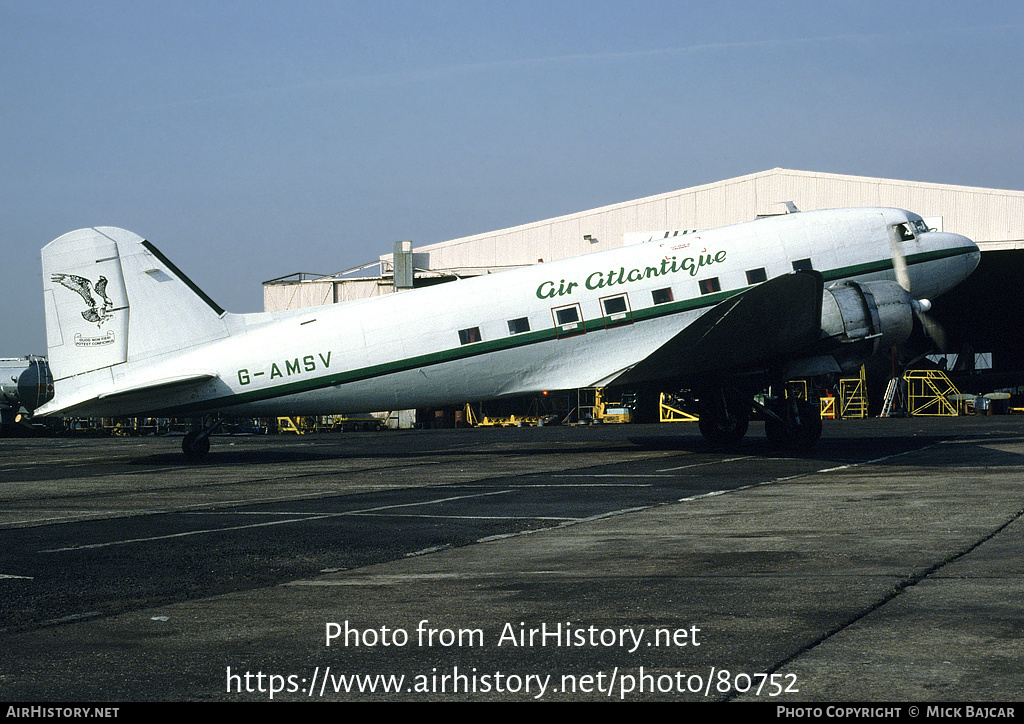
{"x":763,"y":327}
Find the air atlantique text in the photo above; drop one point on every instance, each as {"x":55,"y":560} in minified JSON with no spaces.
{"x":601,"y":279}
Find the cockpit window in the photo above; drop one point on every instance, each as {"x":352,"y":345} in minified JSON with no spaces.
{"x":904,"y":232}
{"x":919,"y":226}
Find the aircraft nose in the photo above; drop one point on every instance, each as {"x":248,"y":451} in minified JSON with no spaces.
{"x":973,"y":255}
{"x":962,"y":258}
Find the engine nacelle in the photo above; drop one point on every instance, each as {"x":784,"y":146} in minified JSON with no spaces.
{"x":35,"y":385}
{"x":861,"y":318}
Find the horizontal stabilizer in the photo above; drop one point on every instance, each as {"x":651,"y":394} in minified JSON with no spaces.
{"x":147,"y":392}
{"x":162,"y":385}
{"x":761,"y":327}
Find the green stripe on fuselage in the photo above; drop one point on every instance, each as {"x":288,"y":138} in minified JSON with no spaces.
{"x":477,"y":349}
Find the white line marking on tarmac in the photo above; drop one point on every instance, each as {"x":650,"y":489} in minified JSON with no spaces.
{"x":465,"y":517}
{"x":507,"y":489}
{"x":614,"y":475}
{"x":707,"y":462}
{"x":531,"y":486}
{"x":301,"y":519}
{"x":848,"y":466}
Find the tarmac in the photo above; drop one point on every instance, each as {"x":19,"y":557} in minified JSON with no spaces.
{"x":621,"y":563}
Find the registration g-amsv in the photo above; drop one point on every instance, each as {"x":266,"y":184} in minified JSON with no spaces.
{"x":613,"y":277}
{"x":288,"y":368}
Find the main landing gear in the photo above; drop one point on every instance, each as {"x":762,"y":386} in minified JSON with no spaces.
{"x":724,"y":414}
{"x":790,"y":423}
{"x":197,"y":442}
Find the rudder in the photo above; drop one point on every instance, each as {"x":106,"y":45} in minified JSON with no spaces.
{"x":86,"y":329}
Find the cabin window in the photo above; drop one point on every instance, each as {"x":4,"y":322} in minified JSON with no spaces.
{"x":756,"y":276}
{"x":568,"y":320}
{"x":802,"y":264}
{"x":518,"y":326}
{"x":468,"y":336}
{"x":567,"y":315}
{"x":662,"y":296}
{"x":614,"y":306}
{"x":710,"y":286}
{"x":616,"y":310}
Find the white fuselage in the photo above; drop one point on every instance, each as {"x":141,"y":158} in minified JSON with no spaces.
{"x":405,"y":350}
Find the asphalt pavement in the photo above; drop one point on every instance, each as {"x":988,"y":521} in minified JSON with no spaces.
{"x":625,"y":562}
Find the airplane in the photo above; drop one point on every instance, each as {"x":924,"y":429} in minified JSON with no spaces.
{"x":727,"y":312}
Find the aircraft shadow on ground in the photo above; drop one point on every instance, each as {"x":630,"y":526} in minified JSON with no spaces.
{"x":889,"y":450}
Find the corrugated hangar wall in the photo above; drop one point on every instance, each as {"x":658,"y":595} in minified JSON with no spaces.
{"x":989,"y":216}
{"x":993,"y":218}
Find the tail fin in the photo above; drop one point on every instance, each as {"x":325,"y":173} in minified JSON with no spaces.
{"x":113,"y":299}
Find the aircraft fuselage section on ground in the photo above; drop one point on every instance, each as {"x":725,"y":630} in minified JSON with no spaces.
{"x":154,"y":344}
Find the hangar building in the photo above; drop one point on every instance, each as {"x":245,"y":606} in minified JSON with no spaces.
{"x":981,"y":316}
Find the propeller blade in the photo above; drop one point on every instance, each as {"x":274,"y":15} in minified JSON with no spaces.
{"x":899,"y":265}
{"x":931,"y":328}
{"x":934,"y":331}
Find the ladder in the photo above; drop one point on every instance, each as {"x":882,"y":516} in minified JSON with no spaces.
{"x":891,"y":393}
{"x":853,"y":396}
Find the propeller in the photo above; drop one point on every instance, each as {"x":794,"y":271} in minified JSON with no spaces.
{"x":921,"y":306}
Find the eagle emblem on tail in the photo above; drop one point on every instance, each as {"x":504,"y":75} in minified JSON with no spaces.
{"x":98,"y":313}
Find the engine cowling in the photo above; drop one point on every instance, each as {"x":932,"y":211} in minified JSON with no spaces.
{"x":861,"y":318}
{"x":35,"y":385}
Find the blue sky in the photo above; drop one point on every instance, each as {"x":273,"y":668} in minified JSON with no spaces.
{"x":249,"y":140}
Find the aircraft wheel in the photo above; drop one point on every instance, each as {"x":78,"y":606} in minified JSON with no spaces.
{"x":195,"y":446}
{"x":775,"y":431}
{"x":723,"y":418}
{"x":809,"y":430}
